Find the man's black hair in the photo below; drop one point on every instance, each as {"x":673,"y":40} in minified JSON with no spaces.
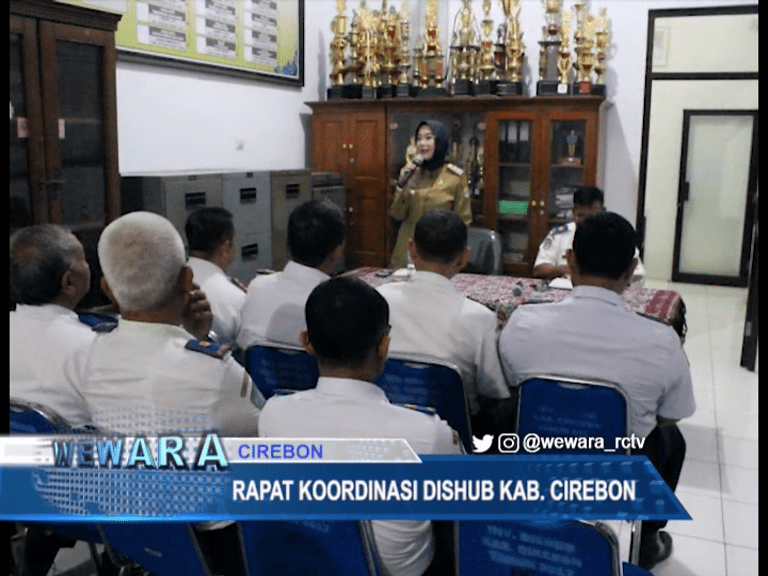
{"x":39,"y":257}
{"x":207,"y":228}
{"x":346,"y":319}
{"x":604,"y":245}
{"x":440,"y":236}
{"x":315,"y":229}
{"x":588,"y":195}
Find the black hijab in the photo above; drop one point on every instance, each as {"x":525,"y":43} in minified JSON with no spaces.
{"x":442,"y":143}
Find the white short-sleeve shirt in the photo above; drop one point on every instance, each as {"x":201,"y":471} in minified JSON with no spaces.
{"x":142,"y":378}
{"x":273,"y":311}
{"x":559,"y":240}
{"x":429,"y":316}
{"x":592,"y":335}
{"x":225,"y":298}
{"x":48,"y":346}
{"x":344,"y":408}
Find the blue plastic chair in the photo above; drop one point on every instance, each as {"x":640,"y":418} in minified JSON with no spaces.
{"x":320,"y":548}
{"x":284,"y":367}
{"x":162,"y":548}
{"x":551,"y":406}
{"x":429,"y":383}
{"x":538,"y":548}
{"x":555,"y":407}
{"x":33,"y":418}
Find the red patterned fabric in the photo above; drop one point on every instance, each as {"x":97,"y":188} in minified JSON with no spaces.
{"x":505,"y":293}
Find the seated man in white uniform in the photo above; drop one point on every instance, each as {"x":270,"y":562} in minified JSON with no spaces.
{"x":347,"y":330}
{"x":48,"y":277}
{"x":430,"y":317}
{"x":592,"y":335}
{"x":211,"y":240}
{"x":550,"y":261}
{"x":273,"y":312}
{"x":154,"y":374}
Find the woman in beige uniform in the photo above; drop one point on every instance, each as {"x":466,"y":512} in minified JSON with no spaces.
{"x":433,"y":184}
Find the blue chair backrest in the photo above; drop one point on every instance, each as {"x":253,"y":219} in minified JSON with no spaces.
{"x":33,"y":418}
{"x":320,"y":548}
{"x":162,"y":548}
{"x":429,"y":384}
{"x":285,"y":367}
{"x":536,"y":548}
{"x":562,"y":407}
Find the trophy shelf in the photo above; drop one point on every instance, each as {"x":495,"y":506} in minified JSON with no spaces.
{"x":522,"y":155}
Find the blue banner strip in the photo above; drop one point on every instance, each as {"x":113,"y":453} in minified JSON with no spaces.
{"x":440,"y":487}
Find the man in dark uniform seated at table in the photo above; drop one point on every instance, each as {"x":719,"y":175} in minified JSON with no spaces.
{"x":591,"y":335}
{"x":550,"y":261}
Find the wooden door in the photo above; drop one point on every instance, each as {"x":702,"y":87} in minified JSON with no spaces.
{"x":366,"y":190}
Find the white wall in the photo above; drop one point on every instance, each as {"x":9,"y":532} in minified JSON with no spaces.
{"x":171,"y":120}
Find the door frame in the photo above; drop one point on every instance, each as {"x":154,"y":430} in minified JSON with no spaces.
{"x":749,"y":217}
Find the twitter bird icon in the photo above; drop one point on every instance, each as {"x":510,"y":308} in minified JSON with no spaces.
{"x":481,"y":446}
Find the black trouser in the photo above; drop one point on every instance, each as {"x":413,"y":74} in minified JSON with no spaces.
{"x":665,"y":448}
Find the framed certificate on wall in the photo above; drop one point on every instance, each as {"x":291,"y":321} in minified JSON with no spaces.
{"x":261,"y":39}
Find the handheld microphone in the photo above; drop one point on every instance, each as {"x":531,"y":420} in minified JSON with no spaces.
{"x":418,"y":160}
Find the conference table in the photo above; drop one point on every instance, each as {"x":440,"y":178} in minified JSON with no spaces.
{"x":503,"y":294}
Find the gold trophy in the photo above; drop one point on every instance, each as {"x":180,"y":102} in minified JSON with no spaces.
{"x":404,"y":88}
{"x":354,"y":86}
{"x":602,"y":44}
{"x":515,"y":51}
{"x":549,"y":54}
{"x":486,"y":66}
{"x":389,"y":37}
{"x":338,"y":51}
{"x":585,"y":40}
{"x":368,"y":50}
{"x":432,"y":67}
{"x":564,"y":62}
{"x":464,"y":51}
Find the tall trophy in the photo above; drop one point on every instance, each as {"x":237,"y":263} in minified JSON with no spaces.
{"x":512,"y":84}
{"x":354,"y":86}
{"x":549,"y":53}
{"x":585,"y":40}
{"x":486,"y":85}
{"x":464,"y":51}
{"x":564,"y":63}
{"x":404,"y":88}
{"x":602,"y":44}
{"x":389,"y":53}
{"x":432,"y":67}
{"x":368,"y":51}
{"x":338,"y":51}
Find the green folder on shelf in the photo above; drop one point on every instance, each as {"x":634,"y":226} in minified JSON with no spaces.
{"x":513,"y":207}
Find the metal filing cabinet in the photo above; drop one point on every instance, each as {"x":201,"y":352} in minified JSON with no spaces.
{"x":173,"y":196}
{"x":290,"y":188}
{"x":248,"y":196}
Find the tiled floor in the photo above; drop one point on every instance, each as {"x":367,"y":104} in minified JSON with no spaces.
{"x":718,"y":486}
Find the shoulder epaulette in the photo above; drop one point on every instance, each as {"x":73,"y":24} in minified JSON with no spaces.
{"x":423,"y":409}
{"x":455,"y":169}
{"x":208,"y":348}
{"x":98,"y":323}
{"x":560,"y":229}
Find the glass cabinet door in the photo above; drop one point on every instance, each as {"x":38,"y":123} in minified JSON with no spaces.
{"x":515,"y":148}
{"x":567,"y":165}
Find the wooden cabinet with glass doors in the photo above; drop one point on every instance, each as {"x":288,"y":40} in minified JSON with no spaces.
{"x":522,"y":157}
{"x":63,"y":119}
